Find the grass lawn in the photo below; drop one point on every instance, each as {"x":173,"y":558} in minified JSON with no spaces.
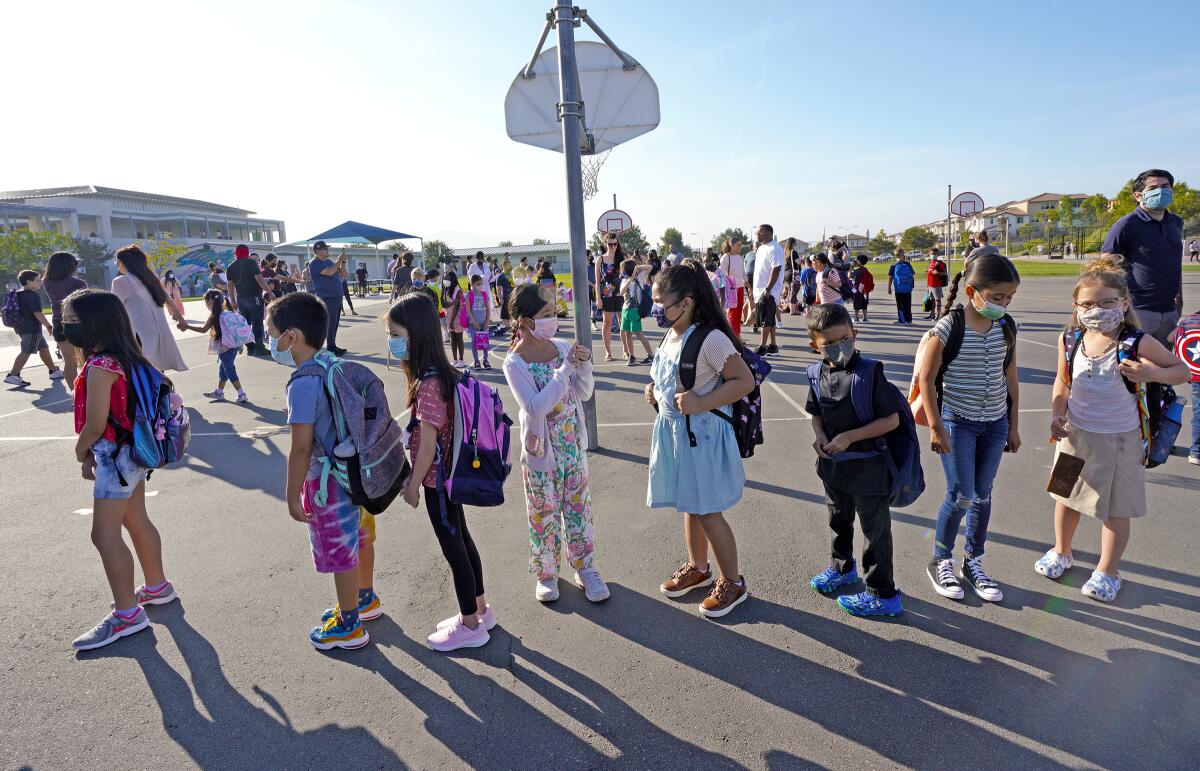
{"x":1027,"y":267}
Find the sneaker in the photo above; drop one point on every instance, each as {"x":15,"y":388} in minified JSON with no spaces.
{"x":830,"y":580}
{"x":866,"y":605}
{"x":56,"y":374}
{"x":487,"y":365}
{"x":112,"y":628}
{"x":941,"y":574}
{"x":367,"y":611}
{"x":761,"y":350}
{"x":217,"y":395}
{"x":973,"y":573}
{"x":487,"y":619}
{"x":592,"y":584}
{"x":685,"y":579}
{"x":242,"y":398}
{"x":458,"y":635}
{"x":724,"y":597}
{"x":1102,"y":586}
{"x":332,"y":633}
{"x":161,"y":597}
{"x":16,"y":380}
{"x":1194,"y":459}
{"x":631,"y":362}
{"x":650,"y":360}
{"x":772,"y":350}
{"x":1053,"y":565}
{"x":546,"y":589}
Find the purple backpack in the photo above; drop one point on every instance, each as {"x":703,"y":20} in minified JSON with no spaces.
{"x":12,"y":309}
{"x":368,"y":461}
{"x":479,"y":453}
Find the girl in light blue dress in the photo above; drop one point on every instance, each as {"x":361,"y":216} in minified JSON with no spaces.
{"x":702,"y":476}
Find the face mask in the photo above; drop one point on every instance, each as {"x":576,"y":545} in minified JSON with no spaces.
{"x":73,"y":331}
{"x":544,"y":329}
{"x":990,"y":311}
{"x":283,"y":357}
{"x":1102,"y":319}
{"x":1158,"y":198}
{"x":659,"y":312}
{"x":418,"y":284}
{"x":838,"y":354}
{"x":399,"y":347}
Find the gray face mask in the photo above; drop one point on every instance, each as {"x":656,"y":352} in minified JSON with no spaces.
{"x":838,"y":354}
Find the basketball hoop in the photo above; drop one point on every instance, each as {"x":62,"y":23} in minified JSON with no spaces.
{"x":590,"y":165}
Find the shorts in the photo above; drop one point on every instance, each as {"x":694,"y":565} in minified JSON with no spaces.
{"x":1113,"y":479}
{"x":613,"y":304}
{"x":32,"y":342}
{"x":336,"y":530}
{"x":937,"y":291}
{"x":765,"y":310}
{"x":631,"y":320}
{"x":112,"y":465}
{"x":861,"y":301}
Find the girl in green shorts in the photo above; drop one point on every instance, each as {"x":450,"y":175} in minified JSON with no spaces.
{"x":632,"y":289}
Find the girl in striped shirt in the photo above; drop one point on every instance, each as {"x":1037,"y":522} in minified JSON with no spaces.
{"x":971,"y":401}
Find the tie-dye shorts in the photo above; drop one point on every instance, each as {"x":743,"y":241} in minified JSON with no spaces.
{"x":336,"y":530}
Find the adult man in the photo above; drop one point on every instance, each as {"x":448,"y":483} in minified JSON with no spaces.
{"x":325,"y":276}
{"x":734,"y":266}
{"x":479,"y":268}
{"x":1150,"y":238}
{"x":673,"y":257}
{"x":839,"y":254}
{"x":402,"y":275}
{"x":768,"y":283}
{"x":980,"y":246}
{"x":361,"y":275}
{"x":392,"y":265}
{"x":246,"y":288}
{"x":936,"y":278}
{"x":1194,"y":250}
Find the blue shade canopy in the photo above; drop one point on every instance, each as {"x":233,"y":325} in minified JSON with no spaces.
{"x":351,"y":232}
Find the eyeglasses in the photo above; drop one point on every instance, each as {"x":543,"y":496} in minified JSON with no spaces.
{"x":1107,"y":304}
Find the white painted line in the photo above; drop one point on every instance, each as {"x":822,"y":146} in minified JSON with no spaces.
{"x":789,"y":399}
{"x":1035,"y":342}
{"x":83,"y":512}
{"x":39,"y":407}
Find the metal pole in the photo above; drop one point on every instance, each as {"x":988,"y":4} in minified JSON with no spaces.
{"x":570,"y":114}
{"x":528,"y":71}
{"x":627,"y":61}
{"x":949,"y":252}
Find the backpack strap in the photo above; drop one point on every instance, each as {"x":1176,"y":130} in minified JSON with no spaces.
{"x":1008,"y":325}
{"x":687,"y":369}
{"x":958,"y":329}
{"x":1070,"y":339}
{"x":1128,"y":340}
{"x":862,"y":397}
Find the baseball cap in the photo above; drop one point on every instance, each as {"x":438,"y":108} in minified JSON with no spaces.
{"x":320,"y":245}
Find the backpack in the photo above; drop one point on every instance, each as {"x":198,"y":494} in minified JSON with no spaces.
{"x":478,"y":463}
{"x":1187,"y":345}
{"x":161,"y":425}
{"x":847,"y":287}
{"x":958,"y":328}
{"x":865,"y":278}
{"x":368,"y":460}
{"x":12,"y":309}
{"x":900,"y":447}
{"x":746,"y":417}
{"x":902,"y":277}
{"x":1153,"y":399}
{"x":235,"y":330}
{"x":645,"y":300}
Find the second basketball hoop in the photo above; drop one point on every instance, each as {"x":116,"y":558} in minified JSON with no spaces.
{"x":614,"y":221}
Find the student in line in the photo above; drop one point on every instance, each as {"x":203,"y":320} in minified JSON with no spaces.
{"x":30,"y":322}
{"x":550,"y":379}
{"x":973,"y":420}
{"x":1096,"y":417}
{"x":453,"y":298}
{"x":704,"y":481}
{"x":632,"y":288}
{"x":479,"y":318}
{"x":220,"y":321}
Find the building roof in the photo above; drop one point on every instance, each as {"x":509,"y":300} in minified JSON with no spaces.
{"x":1053,"y":197}
{"x":113,"y":192}
{"x":518,"y":249}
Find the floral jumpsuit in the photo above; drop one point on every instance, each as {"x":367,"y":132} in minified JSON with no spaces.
{"x":559,"y":500}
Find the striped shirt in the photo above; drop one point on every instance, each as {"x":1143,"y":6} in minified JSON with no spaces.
{"x":974,"y":386}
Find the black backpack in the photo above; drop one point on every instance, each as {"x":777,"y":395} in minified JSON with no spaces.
{"x":747,"y":411}
{"x":958,"y":328}
{"x":645,"y":300}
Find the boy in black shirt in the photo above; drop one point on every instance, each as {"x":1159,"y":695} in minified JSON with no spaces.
{"x":29,"y":329}
{"x":853,"y":471}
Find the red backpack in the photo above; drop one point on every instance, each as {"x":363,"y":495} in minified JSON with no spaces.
{"x":865,"y":279}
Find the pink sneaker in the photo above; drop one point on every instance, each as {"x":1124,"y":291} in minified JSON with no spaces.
{"x":458,"y":635}
{"x":488,"y":619}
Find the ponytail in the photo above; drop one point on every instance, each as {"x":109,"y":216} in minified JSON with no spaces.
{"x":952,"y":294}
{"x":218,"y":307}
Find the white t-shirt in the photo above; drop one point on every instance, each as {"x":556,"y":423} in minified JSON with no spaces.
{"x":480,"y":270}
{"x":734,"y":266}
{"x":766,"y":258}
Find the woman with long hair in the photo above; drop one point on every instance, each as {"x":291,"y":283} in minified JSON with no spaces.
{"x":608,"y":284}
{"x":145,"y":298}
{"x":59,"y":281}
{"x":173,"y":290}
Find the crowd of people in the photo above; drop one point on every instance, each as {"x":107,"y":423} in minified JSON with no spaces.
{"x":1124,"y":321}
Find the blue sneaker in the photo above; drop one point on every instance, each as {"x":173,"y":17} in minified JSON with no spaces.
{"x":865,"y":605}
{"x":334,"y":634}
{"x":830,"y":580}
{"x":367,"y":611}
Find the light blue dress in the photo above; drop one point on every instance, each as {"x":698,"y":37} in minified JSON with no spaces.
{"x":703,"y":479}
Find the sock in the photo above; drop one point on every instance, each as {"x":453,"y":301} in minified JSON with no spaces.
{"x":365,"y":595}
{"x":127,"y":614}
{"x":241,"y":392}
{"x":157,"y":587}
{"x":349,"y":617}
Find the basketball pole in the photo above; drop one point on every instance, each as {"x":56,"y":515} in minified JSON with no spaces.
{"x":570,"y":115}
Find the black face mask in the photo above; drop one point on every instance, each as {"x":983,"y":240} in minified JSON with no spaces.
{"x":73,"y":331}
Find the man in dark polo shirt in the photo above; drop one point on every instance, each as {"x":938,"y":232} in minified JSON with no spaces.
{"x":1150,"y":238}
{"x":246,"y":288}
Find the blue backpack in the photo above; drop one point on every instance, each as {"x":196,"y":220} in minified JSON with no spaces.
{"x":902,"y":277}
{"x":900,"y":448}
{"x":161,"y":426}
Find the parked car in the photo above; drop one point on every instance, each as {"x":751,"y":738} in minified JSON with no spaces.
{"x":881,"y":258}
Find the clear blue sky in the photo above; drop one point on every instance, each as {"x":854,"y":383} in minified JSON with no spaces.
{"x":799,"y":114}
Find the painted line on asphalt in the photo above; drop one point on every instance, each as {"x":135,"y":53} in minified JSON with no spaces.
{"x":789,"y":399}
{"x":1035,"y":342}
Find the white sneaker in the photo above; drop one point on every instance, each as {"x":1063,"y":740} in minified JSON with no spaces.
{"x":216,"y":396}
{"x":242,"y":398}
{"x":16,"y":380}
{"x":547,"y":589}
{"x":592,"y":585}
{"x":56,"y":374}
{"x":1194,"y":459}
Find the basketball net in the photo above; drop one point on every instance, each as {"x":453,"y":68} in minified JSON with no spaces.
{"x":590,"y":166}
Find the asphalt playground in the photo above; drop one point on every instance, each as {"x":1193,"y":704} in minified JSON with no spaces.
{"x":226,"y":678}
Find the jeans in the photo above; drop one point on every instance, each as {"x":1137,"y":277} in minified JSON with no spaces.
{"x":971,"y":465}
{"x":333,"y":307}
{"x":904,"y":307}
{"x":252,"y":308}
{"x":1195,"y":419}
{"x":225,"y":368}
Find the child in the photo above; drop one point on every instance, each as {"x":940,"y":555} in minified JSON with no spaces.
{"x":828,"y":281}
{"x":413,"y":338}
{"x":862,"y":291}
{"x":1096,"y":418}
{"x":560,"y":301}
{"x":704,"y":480}
{"x":972,"y":414}
{"x":95,"y":322}
{"x":1185,"y":341}
{"x":632,"y":288}
{"x":808,"y":285}
{"x":550,"y":379}
{"x":727,"y":294}
{"x":902,"y":278}
{"x":479,"y":318}
{"x":341,"y":535}
{"x":29,"y":328}
{"x":221,"y":316}
{"x":422,"y":285}
{"x":452,"y":300}
{"x":852,"y":484}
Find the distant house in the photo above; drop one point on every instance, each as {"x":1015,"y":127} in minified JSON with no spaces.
{"x":1016,"y":213}
{"x":559,"y":254}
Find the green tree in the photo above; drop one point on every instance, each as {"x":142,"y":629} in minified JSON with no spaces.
{"x":1066,"y":211}
{"x":1094,"y":208}
{"x":1026,"y":231}
{"x":672,"y":236}
{"x":631,"y":241}
{"x":93,"y":257}
{"x":505,"y":244}
{"x":729,"y":234}
{"x":163,"y":254}
{"x":539,"y":242}
{"x":917,"y":238}
{"x":436,"y":250}
{"x":881,"y":243}
{"x":25,"y":250}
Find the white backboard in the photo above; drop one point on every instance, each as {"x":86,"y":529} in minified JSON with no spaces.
{"x":966,"y":204}
{"x":618,"y":104}
{"x":614,"y":221}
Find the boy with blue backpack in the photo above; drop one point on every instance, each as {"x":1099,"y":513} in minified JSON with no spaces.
{"x":902,"y":278}
{"x":867,"y":458}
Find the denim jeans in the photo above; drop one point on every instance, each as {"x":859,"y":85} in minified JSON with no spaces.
{"x":333,"y":306}
{"x":252,"y":308}
{"x":971,"y":465}
{"x":225,"y":368}
{"x":1195,"y":419}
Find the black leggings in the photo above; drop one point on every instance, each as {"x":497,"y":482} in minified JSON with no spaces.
{"x":458,"y":549}
{"x":457,"y":352}
{"x":346,"y":296}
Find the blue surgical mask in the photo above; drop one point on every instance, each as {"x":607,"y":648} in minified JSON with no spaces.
{"x":283,"y":357}
{"x":418,"y":284}
{"x":1158,"y":198}
{"x":399,"y":347}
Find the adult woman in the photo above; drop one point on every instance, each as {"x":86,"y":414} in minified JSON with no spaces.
{"x":144,"y":299}
{"x":298,"y":283}
{"x":790,"y":255}
{"x":174,"y":292}
{"x":608,"y":282}
{"x":60,"y":280}
{"x":733,"y":265}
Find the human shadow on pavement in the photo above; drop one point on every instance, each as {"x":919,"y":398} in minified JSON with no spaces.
{"x":235,"y":733}
{"x":242,"y":462}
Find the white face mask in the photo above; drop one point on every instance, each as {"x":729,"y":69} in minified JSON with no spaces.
{"x":1102,"y":319}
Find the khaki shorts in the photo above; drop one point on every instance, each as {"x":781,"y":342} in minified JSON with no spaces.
{"x":1113,"y":480}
